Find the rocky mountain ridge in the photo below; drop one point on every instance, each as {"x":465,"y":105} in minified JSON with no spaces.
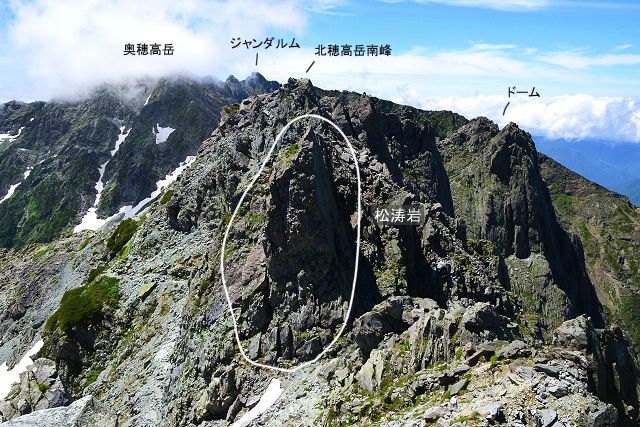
{"x":483,"y":315}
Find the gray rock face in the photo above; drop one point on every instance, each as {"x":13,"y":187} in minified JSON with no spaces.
{"x":499,"y":192}
{"x":441,"y":318}
{"x":86,"y":412}
{"x":514,"y":349}
{"x":605,"y":415}
{"x":547,"y":417}
{"x":574,"y":333}
{"x":40,"y":387}
{"x":296,"y":225}
{"x":395,"y":314}
{"x":612,"y":368}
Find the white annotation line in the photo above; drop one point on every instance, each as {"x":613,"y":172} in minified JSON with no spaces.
{"x":355,"y":272}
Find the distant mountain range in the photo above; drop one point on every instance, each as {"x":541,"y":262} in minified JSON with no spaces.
{"x":68,"y":166}
{"x":615,"y":166}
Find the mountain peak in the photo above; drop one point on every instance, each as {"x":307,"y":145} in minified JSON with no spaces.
{"x":486,"y":292}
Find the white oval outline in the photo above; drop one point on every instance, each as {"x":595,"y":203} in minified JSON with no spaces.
{"x":355,"y":272}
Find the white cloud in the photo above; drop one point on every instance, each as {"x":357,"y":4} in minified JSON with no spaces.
{"x":504,"y":5}
{"x":489,"y":46}
{"x":596,"y":4}
{"x":416,"y":78}
{"x":65,"y":44}
{"x":482,"y":68}
{"x":327,"y":7}
{"x":578,"y":116}
{"x":622,"y":47}
{"x":527,"y":5}
{"x":578,"y":61}
{"x":476,"y":61}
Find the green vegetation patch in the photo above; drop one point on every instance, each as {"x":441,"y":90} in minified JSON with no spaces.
{"x":231,"y":109}
{"x":44,"y":251}
{"x":473,"y":416}
{"x":166,"y":197}
{"x":43,"y":387}
{"x":83,"y":306}
{"x":84,"y":243}
{"x":121,"y":236}
{"x":229,"y":250}
{"x":444,"y":122}
{"x":588,"y":241}
{"x":291,"y":151}
{"x":92,"y":375}
{"x":630,"y":313}
{"x":481,"y":247}
{"x":254,"y":220}
{"x":204,"y":286}
{"x":94,"y":273}
{"x":563,"y":203}
{"x":202,"y":290}
{"x":391,"y":276}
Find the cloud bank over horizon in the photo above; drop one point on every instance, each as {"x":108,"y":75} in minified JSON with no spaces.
{"x":64,"y":49}
{"x":570,"y":117}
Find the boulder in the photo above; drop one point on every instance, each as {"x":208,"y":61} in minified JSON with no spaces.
{"x":573,"y":333}
{"x":86,"y":412}
{"x":370,"y":375}
{"x":395,"y":314}
{"x":514,"y":350}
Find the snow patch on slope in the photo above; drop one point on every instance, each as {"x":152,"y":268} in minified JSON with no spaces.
{"x":123,"y":135}
{"x":5,"y":137}
{"x":9,"y":377}
{"x":90,"y":220}
{"x":12,"y":190}
{"x":270,"y":396}
{"x":130,"y":211}
{"x":162,"y":134}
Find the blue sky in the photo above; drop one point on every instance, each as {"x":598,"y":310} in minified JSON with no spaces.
{"x":582,"y":56}
{"x":595,"y":41}
{"x":596,"y":25}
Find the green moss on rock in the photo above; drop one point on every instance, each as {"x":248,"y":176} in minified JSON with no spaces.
{"x":83,"y":306}
{"x":231,"y":109}
{"x":121,"y":236}
{"x":166,"y":197}
{"x":291,"y":151}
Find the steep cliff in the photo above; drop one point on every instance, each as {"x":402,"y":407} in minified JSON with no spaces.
{"x":609,"y":228}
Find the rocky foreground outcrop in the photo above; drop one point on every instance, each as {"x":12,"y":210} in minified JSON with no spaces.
{"x":481,"y":315}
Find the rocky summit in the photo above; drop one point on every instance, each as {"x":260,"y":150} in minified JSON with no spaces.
{"x":491,"y":311}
